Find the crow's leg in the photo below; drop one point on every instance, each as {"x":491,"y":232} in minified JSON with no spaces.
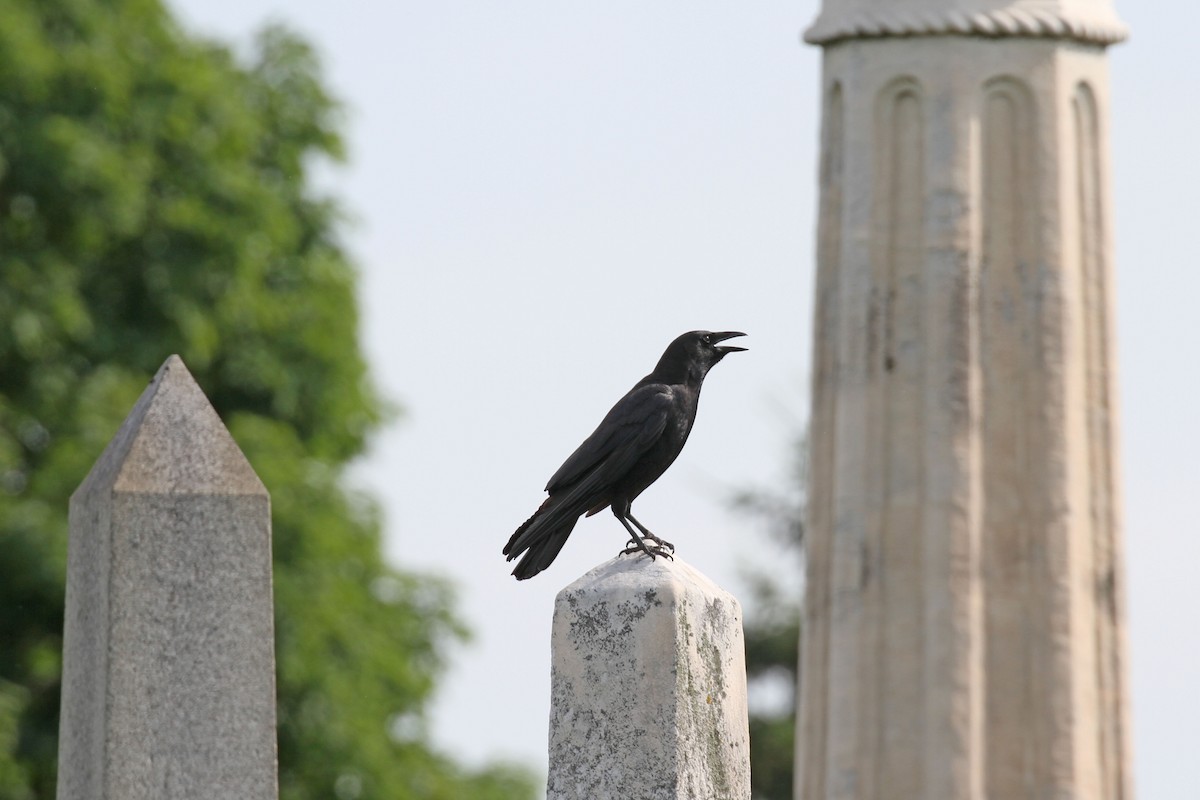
{"x":646,"y":532}
{"x":638,"y":545}
{"x":635,"y":544}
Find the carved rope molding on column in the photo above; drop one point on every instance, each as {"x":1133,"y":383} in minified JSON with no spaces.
{"x":1040,"y":23}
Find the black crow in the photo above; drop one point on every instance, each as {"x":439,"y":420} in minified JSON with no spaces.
{"x":635,"y":443}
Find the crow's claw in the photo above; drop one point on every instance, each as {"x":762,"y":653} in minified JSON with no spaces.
{"x":632,"y":544}
{"x":662,"y":542}
{"x":650,"y":551}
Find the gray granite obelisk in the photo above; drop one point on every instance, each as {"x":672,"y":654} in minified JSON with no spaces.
{"x":169,"y":661}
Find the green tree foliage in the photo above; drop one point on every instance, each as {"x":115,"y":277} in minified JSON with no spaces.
{"x":772,"y":633}
{"x":154,"y":199}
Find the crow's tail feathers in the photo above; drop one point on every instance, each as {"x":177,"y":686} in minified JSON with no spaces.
{"x":542,"y":554}
{"x":540,"y":538}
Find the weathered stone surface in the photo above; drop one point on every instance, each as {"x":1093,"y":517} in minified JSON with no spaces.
{"x":648,"y":687}
{"x":964,"y":619}
{"x":169,"y":665}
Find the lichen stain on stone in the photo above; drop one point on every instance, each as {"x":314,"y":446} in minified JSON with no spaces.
{"x":633,"y":611}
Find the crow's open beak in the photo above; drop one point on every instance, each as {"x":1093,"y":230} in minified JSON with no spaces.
{"x":713,"y":338}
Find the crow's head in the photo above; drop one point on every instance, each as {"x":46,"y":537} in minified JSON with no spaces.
{"x":709,"y":346}
{"x":692,"y":355}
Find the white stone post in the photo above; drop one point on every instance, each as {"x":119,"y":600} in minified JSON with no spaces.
{"x":964,"y":628}
{"x":169,"y":661}
{"x":648,"y":698}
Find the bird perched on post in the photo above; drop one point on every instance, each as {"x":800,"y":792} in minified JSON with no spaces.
{"x":634,"y":444}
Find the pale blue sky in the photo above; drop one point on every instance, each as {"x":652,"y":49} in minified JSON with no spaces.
{"x":524,"y":173}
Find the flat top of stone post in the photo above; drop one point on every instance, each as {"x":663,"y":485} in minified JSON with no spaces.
{"x":637,"y":573}
{"x":172,"y":442}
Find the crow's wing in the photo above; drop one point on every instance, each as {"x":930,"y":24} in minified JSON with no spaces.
{"x":629,"y":429}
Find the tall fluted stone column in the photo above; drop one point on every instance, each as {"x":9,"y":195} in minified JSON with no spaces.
{"x":964,"y":632}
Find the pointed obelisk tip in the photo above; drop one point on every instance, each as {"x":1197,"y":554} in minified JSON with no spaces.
{"x":173,"y":442}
